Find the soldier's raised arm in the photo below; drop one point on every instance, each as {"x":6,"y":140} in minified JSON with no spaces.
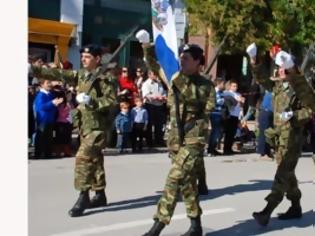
{"x":259,"y":70}
{"x":148,"y":50}
{"x":211,"y":99}
{"x":289,"y":72}
{"x":68,"y":76}
{"x":303,"y":88}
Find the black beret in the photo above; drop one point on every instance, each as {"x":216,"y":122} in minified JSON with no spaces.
{"x":195,"y":51}
{"x":93,"y":49}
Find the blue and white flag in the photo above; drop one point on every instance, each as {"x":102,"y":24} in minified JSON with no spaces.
{"x":164,"y":35}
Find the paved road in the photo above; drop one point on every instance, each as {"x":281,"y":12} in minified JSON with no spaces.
{"x":237,"y":186}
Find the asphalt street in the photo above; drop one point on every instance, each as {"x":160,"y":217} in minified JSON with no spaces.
{"x":237,"y":187}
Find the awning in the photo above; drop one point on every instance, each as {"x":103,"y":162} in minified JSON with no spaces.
{"x":51,"y":32}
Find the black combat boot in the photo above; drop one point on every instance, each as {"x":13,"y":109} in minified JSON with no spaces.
{"x":156,"y":229}
{"x":202,"y":187}
{"x":99,"y":200}
{"x":263,"y":216}
{"x":294,"y":212}
{"x":195,"y":228}
{"x":82,"y":203}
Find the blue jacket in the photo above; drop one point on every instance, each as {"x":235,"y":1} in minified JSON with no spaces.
{"x":266,"y":103}
{"x":123,"y":123}
{"x":45,"y":110}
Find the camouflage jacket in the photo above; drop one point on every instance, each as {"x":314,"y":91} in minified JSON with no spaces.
{"x":196,"y":99}
{"x":96,"y":115}
{"x":283,"y":98}
{"x":303,"y":90}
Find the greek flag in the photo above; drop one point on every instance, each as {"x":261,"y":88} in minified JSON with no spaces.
{"x":164,"y":34}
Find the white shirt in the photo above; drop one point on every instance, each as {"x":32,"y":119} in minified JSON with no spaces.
{"x":151,"y":88}
{"x":236,"y":110}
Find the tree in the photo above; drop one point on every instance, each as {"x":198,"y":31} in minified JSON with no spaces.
{"x":294,"y":24}
{"x":289,"y":22}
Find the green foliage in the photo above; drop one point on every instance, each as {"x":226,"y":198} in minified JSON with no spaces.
{"x":289,"y":22}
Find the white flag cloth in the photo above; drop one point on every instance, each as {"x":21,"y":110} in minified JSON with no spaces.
{"x":164,"y":35}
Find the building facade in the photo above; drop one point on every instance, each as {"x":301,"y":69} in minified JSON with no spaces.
{"x":73,"y":23}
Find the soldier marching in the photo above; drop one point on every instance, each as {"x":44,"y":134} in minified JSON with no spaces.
{"x":290,"y":116}
{"x":190,"y":99}
{"x":96,"y":98}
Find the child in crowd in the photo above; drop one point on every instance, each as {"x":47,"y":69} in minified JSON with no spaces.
{"x":123,"y":124}
{"x":231,"y":124}
{"x":64,"y":127}
{"x":140,"y":122}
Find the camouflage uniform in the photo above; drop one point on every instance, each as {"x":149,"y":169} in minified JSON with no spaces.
{"x":92,"y":120}
{"x":286,"y":137}
{"x":305,"y":92}
{"x":196,"y":99}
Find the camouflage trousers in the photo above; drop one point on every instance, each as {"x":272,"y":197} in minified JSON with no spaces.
{"x":289,"y":150}
{"x":201,"y":171}
{"x":89,"y":163}
{"x":181,"y":180}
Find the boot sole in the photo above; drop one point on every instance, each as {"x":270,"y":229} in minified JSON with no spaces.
{"x":259,"y":221}
{"x":75,"y":215}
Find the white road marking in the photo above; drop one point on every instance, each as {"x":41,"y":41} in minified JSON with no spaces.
{"x":133,"y":224}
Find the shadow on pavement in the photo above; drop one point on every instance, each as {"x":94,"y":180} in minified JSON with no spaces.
{"x":127,"y":204}
{"x":250,"y":227}
{"x":257,"y":185}
{"x":114,"y":152}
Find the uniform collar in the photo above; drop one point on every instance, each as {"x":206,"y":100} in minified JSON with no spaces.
{"x":95,"y":72}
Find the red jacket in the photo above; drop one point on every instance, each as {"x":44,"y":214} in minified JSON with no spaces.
{"x":127,"y":83}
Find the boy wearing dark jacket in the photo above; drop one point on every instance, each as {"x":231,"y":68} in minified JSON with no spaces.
{"x":123,"y":124}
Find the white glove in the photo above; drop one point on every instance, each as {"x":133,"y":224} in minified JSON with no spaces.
{"x":252,"y":50}
{"x":143,"y":36}
{"x":286,"y":115}
{"x":83,"y":98}
{"x":284,"y":59}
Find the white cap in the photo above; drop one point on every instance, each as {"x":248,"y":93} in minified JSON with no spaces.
{"x":284,"y":59}
{"x":252,"y":50}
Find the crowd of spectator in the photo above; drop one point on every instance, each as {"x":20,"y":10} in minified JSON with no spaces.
{"x":140,"y":118}
{"x":141,"y":115}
